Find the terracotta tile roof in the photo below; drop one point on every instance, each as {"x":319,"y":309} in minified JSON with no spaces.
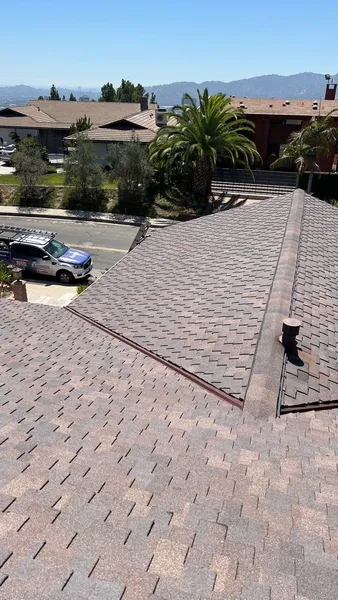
{"x":121,"y":479}
{"x":278,"y":106}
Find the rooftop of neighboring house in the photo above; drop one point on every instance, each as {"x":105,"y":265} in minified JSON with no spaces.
{"x":141,"y":456}
{"x":141,"y":125}
{"x":60,"y":115}
{"x":292,"y":108}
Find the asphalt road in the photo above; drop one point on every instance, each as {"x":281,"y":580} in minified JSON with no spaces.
{"x":104,"y":242}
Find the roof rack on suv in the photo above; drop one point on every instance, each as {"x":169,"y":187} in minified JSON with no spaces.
{"x":11,"y":233}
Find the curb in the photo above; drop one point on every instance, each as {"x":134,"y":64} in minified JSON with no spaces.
{"x":80,"y":215}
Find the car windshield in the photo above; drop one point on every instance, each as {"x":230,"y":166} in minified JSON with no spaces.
{"x":56,"y":248}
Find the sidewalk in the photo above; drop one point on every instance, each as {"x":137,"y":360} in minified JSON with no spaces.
{"x":82,"y":215}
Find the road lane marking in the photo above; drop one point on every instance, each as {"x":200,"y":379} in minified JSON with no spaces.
{"x":100,"y":248}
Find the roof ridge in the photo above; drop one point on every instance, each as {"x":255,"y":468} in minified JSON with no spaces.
{"x":265,"y":378}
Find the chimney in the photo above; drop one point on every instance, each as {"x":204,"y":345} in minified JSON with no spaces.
{"x":331,"y":89}
{"x":144,"y":103}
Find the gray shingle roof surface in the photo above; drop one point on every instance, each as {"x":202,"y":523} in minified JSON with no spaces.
{"x":121,"y":479}
{"x":315,"y":303}
{"x":196,"y":293}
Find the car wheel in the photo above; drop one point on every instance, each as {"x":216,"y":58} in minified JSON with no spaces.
{"x":65,"y":277}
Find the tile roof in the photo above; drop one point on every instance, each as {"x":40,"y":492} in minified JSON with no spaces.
{"x":56,"y":114}
{"x":100,"y":134}
{"x":277,"y":106}
{"x":121,"y":479}
{"x":142,"y":124}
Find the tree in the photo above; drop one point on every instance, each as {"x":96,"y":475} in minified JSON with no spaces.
{"x":108,"y":93}
{"x":83,"y":173}
{"x":153,"y":98}
{"x":128,"y":162}
{"x":197,"y":136}
{"x":54,"y":94}
{"x":307,"y":146}
{"x":63,"y":98}
{"x":81,"y":125}
{"x":126,"y":92}
{"x":40,"y":98}
{"x":29,"y":166}
{"x":72,"y":97}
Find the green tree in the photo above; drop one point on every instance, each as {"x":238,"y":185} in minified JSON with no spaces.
{"x":40,"y":98}
{"x":54,"y":94}
{"x":198,"y":135}
{"x":84,"y":174}
{"x":29,"y":166}
{"x":108,"y":93}
{"x":81,"y":124}
{"x":153,"y":98}
{"x":128,"y":92}
{"x":306,"y":147}
{"x":72,"y":97}
{"x":129,"y":164}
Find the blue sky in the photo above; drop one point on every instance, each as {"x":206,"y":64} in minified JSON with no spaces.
{"x":88,"y":42}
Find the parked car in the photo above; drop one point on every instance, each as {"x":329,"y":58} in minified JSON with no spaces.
{"x":39,"y":252}
{"x":6,"y":153}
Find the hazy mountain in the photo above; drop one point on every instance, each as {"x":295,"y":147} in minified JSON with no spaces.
{"x":21,"y":94}
{"x":302,"y":85}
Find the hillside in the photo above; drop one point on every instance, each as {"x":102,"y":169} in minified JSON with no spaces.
{"x":301,"y":85}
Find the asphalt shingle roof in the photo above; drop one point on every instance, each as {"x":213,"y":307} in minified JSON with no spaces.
{"x":196,"y":293}
{"x":121,"y":479}
{"x":315,"y":303}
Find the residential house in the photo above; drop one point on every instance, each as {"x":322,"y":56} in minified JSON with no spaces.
{"x":49,"y":121}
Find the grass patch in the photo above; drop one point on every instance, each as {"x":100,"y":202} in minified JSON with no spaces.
{"x":51,"y":179}
{"x":48,"y":180}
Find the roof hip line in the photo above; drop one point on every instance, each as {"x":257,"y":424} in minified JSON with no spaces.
{"x":191,"y":376}
{"x":265,"y":380}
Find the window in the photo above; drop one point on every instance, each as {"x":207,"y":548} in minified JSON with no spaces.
{"x":26,"y":251}
{"x":56,"y":249}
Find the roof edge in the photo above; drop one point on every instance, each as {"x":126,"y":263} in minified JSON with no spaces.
{"x":264,"y":384}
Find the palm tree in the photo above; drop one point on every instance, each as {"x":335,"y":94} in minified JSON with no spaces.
{"x":197,"y":135}
{"x":307,"y":146}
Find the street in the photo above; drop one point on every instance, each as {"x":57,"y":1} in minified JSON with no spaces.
{"x":105,"y":243}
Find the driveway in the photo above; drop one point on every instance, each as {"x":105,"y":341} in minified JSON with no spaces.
{"x":5,"y":170}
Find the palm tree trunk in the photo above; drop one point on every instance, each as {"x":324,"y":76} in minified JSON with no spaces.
{"x":309,"y":183}
{"x":203,"y":178}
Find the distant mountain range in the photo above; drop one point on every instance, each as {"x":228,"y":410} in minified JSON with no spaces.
{"x":302,"y":85}
{"x":21,"y":94}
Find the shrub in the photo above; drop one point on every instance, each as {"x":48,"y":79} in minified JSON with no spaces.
{"x":81,"y":288}
{"x":95,"y":200}
{"x":5,"y":280}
